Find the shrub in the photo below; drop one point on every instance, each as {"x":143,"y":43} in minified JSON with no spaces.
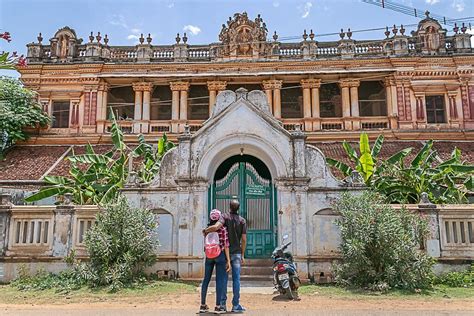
{"x":380,"y":245}
{"x":457,"y":279}
{"x":120,"y":245}
{"x":63,"y":282}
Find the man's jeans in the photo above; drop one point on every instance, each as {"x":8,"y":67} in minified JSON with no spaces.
{"x":221,"y":278}
{"x":235,"y":262}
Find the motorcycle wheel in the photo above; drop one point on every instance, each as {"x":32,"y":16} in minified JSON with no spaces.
{"x":291,"y":294}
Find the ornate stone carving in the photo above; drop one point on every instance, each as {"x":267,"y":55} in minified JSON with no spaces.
{"x":431,"y":36}
{"x":310,"y":83}
{"x":243,"y":37}
{"x":142,"y":86}
{"x":272,"y":84}
{"x":179,"y":86}
{"x":216,"y":85}
{"x":349,"y":83}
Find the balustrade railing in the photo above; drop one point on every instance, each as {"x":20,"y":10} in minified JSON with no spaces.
{"x":160,"y":127}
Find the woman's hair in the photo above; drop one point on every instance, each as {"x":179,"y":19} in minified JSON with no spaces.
{"x":211,"y":222}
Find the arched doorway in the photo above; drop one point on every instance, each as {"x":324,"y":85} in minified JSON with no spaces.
{"x":248,"y":179}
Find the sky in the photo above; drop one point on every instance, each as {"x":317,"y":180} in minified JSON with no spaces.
{"x":124,"y":20}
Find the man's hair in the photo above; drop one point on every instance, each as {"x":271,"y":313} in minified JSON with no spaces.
{"x":234,"y":206}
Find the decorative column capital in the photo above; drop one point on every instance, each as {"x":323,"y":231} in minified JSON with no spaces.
{"x":179,"y":86}
{"x":349,"y":83}
{"x":310,"y":83}
{"x":216,"y":85}
{"x":142,"y":86}
{"x":91,"y":87}
{"x":272,"y":84}
{"x":104,"y":87}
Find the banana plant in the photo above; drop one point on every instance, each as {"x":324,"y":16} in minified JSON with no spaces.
{"x":97,"y":178}
{"x":444,"y":181}
{"x":365,"y":163}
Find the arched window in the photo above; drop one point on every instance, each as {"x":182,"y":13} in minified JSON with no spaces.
{"x":121,"y":100}
{"x":164,"y":230}
{"x":372,"y":100}
{"x":198,"y":102}
{"x":330,"y":100}
{"x":291,"y":101}
{"x":160,"y":106}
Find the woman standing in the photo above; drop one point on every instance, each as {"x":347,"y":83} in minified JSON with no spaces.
{"x":217,"y":254}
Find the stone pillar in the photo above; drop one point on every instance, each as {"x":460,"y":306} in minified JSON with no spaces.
{"x":420,"y":108}
{"x":346,"y":103}
{"x":433,"y":242}
{"x":391,"y":100}
{"x":174,"y":108}
{"x":102,"y":107}
{"x":147,"y":88}
{"x":214,"y":88}
{"x":179,"y":105}
{"x":183,"y":105}
{"x":5,"y":216}
{"x":354,"y":91}
{"x":62,"y":231}
{"x":277,"y":100}
{"x":272,"y":90}
{"x":137,"y":116}
{"x":311,"y":103}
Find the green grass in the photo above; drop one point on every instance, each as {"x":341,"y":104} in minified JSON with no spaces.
{"x":143,"y":293}
{"x":438,"y":291}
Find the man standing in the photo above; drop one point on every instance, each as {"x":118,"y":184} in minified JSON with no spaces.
{"x":237,"y":230}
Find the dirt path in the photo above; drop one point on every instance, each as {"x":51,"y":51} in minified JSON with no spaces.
{"x":187,"y":304}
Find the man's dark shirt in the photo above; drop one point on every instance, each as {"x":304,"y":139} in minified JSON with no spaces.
{"x":236,"y":227}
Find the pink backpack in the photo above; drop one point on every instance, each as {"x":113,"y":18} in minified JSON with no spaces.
{"x":212,"y":246}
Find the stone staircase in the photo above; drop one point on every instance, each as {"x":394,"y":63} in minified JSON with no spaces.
{"x":254,"y":273}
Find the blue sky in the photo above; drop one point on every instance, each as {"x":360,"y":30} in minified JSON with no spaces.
{"x":124,"y":20}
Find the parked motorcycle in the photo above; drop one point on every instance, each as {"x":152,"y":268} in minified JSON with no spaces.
{"x":285,"y":277}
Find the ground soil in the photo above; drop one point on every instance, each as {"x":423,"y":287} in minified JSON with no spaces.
{"x":257,"y":304}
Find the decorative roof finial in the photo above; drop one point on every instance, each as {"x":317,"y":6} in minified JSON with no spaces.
{"x":275,"y":36}
{"x":387,"y":32}
{"x":342,"y":34}
{"x":456,"y":28}
{"x":349,"y":33}
{"x":148,"y":39}
{"x":40,"y":38}
{"x":427,"y":13}
{"x":305,"y":36}
{"x":185,"y":38}
{"x":463,"y":28}
{"x":395,"y":30}
{"x":402,"y":30}
{"x":91,"y":37}
{"x":141,"y":39}
{"x":98,"y":37}
{"x":177,"y":38}
{"x":106,"y":40}
{"x":311,"y":34}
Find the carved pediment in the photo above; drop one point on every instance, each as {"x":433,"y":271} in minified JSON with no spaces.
{"x":242,"y":37}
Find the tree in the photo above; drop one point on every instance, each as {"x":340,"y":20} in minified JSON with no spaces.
{"x":18,"y":109}
{"x":97,"y":178}
{"x":445,"y":181}
{"x":120,"y":244}
{"x":380,"y":246}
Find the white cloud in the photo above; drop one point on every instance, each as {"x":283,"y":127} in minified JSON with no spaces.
{"x":431,"y":1}
{"x":118,"y":20}
{"x":170,"y":5}
{"x":194,"y":30}
{"x":135,"y":30}
{"x":276,"y":4}
{"x":306,"y":9}
{"x":133,"y":37}
{"x":458,"y":5}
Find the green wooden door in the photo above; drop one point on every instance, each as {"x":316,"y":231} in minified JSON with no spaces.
{"x":256,"y":197}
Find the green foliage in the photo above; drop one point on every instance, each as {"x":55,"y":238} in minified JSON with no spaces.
{"x":365,"y":164}
{"x":18,"y":109}
{"x":120,"y":245}
{"x":97,"y":178}
{"x":457,"y":279}
{"x":445,"y":182}
{"x":380,"y":245}
{"x":63,"y":282}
